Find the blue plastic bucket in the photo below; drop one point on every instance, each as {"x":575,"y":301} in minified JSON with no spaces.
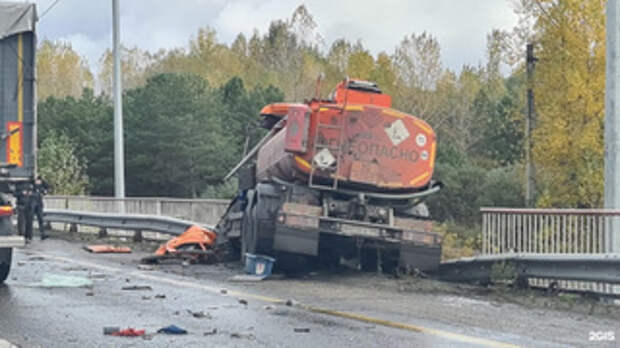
{"x":260,"y":265}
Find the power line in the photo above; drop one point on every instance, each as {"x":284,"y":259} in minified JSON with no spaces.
{"x":48,"y":9}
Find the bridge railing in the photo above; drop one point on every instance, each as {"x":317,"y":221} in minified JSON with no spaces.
{"x":549,"y":231}
{"x":561,"y":231}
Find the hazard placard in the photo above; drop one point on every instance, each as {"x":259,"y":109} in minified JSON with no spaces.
{"x":14,"y":148}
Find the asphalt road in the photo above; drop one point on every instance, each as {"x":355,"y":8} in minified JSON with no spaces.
{"x":342,"y":308}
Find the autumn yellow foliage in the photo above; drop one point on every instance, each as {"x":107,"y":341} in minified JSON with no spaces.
{"x":569,"y":89}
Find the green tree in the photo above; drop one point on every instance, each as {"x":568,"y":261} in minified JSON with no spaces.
{"x":60,"y":166}
{"x":88,"y":122}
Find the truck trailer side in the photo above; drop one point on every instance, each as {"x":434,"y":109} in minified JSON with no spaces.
{"x":17,"y":119}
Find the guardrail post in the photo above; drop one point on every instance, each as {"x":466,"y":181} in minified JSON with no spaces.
{"x":73,"y":228}
{"x":103,"y":232}
{"x":137,"y":236}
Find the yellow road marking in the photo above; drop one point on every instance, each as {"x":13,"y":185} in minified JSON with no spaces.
{"x":331,"y":312}
{"x":20,"y":78}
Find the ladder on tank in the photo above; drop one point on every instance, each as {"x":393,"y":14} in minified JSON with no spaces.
{"x":335,"y":150}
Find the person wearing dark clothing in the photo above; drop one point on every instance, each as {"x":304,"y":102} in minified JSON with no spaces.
{"x":39,"y":189}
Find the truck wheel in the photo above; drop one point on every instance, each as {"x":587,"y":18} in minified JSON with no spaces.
{"x":389,"y":261}
{"x":5,"y":263}
{"x":368,"y":259}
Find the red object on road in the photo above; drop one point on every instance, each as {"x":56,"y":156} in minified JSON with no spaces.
{"x":129,"y":332}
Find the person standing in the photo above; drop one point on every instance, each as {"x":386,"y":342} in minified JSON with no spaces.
{"x":39,"y":189}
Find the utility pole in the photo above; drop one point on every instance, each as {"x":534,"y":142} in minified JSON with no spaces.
{"x":530,"y":124}
{"x":612,"y":127}
{"x":119,"y":155}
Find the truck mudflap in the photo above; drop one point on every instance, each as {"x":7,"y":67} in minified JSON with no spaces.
{"x":299,"y":228}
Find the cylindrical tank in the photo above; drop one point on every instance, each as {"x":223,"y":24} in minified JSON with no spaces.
{"x":359,"y":145}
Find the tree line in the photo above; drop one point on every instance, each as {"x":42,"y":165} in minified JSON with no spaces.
{"x":188,"y":111}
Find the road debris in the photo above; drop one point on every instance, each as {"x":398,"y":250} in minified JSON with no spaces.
{"x":62,"y":281}
{"x":268,"y":307}
{"x":245,"y":335}
{"x":301,"y":329}
{"x":291,"y":302}
{"x":146,"y":298}
{"x":36,"y":258}
{"x":137,"y":287}
{"x":209,"y":333}
{"x":108,"y":330}
{"x":195,"y":245}
{"x":172,"y":330}
{"x":243,"y":302}
{"x":96,"y":275}
{"x":247,"y":278}
{"x":90,"y":293}
{"x":128,"y":332}
{"x":199,"y":314}
{"x":224,"y":291}
{"x":21,"y":263}
{"x":105,"y":249}
{"x":160,"y":296}
{"x":145,"y":267}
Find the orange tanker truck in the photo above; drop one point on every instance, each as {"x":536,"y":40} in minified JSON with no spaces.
{"x":341,"y":178}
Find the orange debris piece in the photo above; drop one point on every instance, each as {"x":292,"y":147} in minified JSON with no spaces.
{"x":195,"y":235}
{"x":101,"y":249}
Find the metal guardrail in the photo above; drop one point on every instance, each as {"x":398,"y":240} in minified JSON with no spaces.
{"x":203,"y":211}
{"x":135,"y":222}
{"x":563,"y":235}
{"x":600,"y":268}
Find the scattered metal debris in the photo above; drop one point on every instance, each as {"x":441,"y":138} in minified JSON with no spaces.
{"x":160,"y":296}
{"x":90,"y":293}
{"x":137,"y":287}
{"x":96,"y":275}
{"x":245,"y":335}
{"x":243,"y":302}
{"x":145,"y":267}
{"x":224,"y":291}
{"x":107,"y":330}
{"x":247,"y":278}
{"x":301,"y":329}
{"x":199,"y":314}
{"x":211,"y":332}
{"x":172,"y":330}
{"x":268,"y":307}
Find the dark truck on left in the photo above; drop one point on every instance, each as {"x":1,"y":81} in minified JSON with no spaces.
{"x":18,"y":124}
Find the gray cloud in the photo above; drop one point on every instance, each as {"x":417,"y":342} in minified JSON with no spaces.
{"x":460,"y":26}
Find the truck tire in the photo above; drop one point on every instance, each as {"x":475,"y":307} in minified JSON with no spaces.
{"x":5,"y":263}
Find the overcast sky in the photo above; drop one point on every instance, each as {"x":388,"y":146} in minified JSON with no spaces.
{"x":460,"y":26}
